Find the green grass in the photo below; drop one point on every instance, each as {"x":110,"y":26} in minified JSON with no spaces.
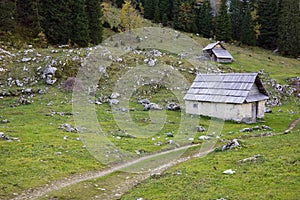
{"x":274,"y":176}
{"x":34,"y":161}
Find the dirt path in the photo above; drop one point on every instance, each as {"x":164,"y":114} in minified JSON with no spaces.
{"x":292,"y":125}
{"x":57,"y":185}
{"x":121,"y":188}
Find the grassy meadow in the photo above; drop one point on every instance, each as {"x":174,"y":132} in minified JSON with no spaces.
{"x":45,"y":153}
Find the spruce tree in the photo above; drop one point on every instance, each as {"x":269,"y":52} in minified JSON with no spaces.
{"x":156,"y":16}
{"x":247,"y":25}
{"x":56,"y":21}
{"x":175,"y":14}
{"x":7,"y":17}
{"x":79,"y":23}
{"x":28,"y":15}
{"x":204,"y":20}
{"x":93,"y":10}
{"x":119,"y":3}
{"x":236,"y":18}
{"x":289,"y":28}
{"x":268,"y":21}
{"x":223,"y":23}
{"x":149,"y":7}
{"x":165,"y":11}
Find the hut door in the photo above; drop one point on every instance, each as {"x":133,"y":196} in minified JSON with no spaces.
{"x":254,"y":111}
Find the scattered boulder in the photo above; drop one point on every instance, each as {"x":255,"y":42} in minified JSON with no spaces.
{"x":246,"y":130}
{"x":50,"y":80}
{"x":123,"y":109}
{"x":265,"y":127}
{"x":170,"y":142}
{"x":49,"y":74}
{"x":7,"y":138}
{"x":26,"y":59}
{"x":18,"y":83}
{"x":158,"y":143}
{"x":24,"y":101}
{"x":204,"y":137}
{"x":144,"y":101}
{"x":4,"y":121}
{"x":68,"y":128}
{"x":229,"y":171}
{"x":115,"y":95}
{"x":200,"y":129}
{"x":252,"y":159}
{"x":113,"y":101}
{"x":256,"y":128}
{"x":230,"y":145}
{"x":268,"y":110}
{"x":49,"y":70}
{"x":152,"y":106}
{"x":173,"y":106}
{"x":169,"y":134}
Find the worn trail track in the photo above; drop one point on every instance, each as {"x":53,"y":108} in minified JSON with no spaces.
{"x":122,"y":187}
{"x":57,"y":185}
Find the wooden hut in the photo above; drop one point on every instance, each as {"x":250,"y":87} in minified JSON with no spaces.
{"x":217,"y":52}
{"x":229,"y":96}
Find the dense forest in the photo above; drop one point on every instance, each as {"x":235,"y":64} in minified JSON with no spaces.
{"x":271,"y":24}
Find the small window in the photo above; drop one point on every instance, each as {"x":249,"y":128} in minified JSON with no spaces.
{"x":195,"y":105}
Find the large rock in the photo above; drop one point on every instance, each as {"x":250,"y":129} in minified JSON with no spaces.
{"x":173,"y":106}
{"x":113,"y":101}
{"x":115,"y":95}
{"x":144,"y":101}
{"x":200,"y":129}
{"x":231,"y":144}
{"x":49,"y":70}
{"x":68,"y":128}
{"x":49,"y":74}
{"x":152,"y":106}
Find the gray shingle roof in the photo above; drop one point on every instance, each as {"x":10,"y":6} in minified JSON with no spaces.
{"x":227,"y":88}
{"x":222,"y":53}
{"x":210,"y":46}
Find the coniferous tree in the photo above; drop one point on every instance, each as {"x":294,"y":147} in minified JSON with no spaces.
{"x":186,"y":16}
{"x":28,"y":15}
{"x":79,"y":23}
{"x":247,"y":25}
{"x":236,"y":18}
{"x":289,"y":28}
{"x":223,"y":23}
{"x":119,"y":3}
{"x":175,"y":14}
{"x":156,"y":16}
{"x":93,"y":10}
{"x":205,"y":19}
{"x":8,"y":13}
{"x":268,"y":21}
{"x":165,"y":11}
{"x":149,"y":9}
{"x":56,"y":21}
